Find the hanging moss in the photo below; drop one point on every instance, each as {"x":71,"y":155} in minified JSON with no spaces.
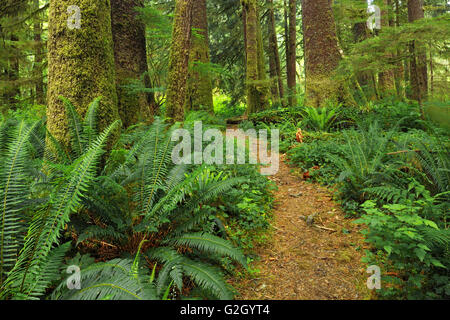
{"x":179,"y":60}
{"x":81,"y":64}
{"x":199,"y":86}
{"x":130,"y":60}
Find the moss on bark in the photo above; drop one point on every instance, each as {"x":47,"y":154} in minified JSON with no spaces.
{"x":179,"y":60}
{"x":322,"y":56}
{"x":130,"y":57}
{"x":199,"y":85}
{"x":257,"y":84}
{"x":81,"y":64}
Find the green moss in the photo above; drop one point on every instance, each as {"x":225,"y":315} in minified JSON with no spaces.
{"x":81,"y":64}
{"x":179,"y":60}
{"x":199,"y":86}
{"x":256,"y":82}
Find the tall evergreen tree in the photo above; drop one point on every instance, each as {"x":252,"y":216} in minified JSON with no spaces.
{"x":322,"y":55}
{"x":179,"y":60}
{"x":130,"y":55}
{"x":386,"y":79}
{"x":274,"y":57}
{"x":291,"y":55}
{"x":256,"y":82}
{"x":199,"y":86}
{"x":418,"y":61}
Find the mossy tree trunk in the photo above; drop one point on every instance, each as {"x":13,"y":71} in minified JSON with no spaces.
{"x":274,"y":57}
{"x":322,"y":56}
{"x":398,"y":71}
{"x":366,"y":79}
{"x":81,"y":64}
{"x":291,"y":57}
{"x":37,"y":67}
{"x":130,"y":55}
{"x":386,"y":79}
{"x":199,"y":86}
{"x":418,"y":61}
{"x":256,"y":82}
{"x":179,"y":60}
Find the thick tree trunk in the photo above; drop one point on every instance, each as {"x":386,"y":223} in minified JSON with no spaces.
{"x":292,"y":53}
{"x":322,"y":56}
{"x":386,"y":79}
{"x":418,"y":62}
{"x":81,"y":64}
{"x":256,"y":82}
{"x":275,"y":65}
{"x":179,"y":60}
{"x":130,"y":56}
{"x":37,"y":68}
{"x":199,"y":87}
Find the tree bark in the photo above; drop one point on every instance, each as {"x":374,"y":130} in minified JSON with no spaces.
{"x":386,"y":79}
{"x":179,"y":60}
{"x":130,"y":56}
{"x":199,"y":88}
{"x":418,"y":61}
{"x":322,"y":56}
{"x":292,"y":53}
{"x":37,"y":68}
{"x":81,"y":65}
{"x":275,"y":65}
{"x":366,"y":79}
{"x":256,"y":82}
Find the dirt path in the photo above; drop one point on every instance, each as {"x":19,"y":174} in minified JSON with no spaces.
{"x":312,"y":260}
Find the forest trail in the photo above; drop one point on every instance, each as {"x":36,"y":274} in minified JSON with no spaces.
{"x":315,"y":260}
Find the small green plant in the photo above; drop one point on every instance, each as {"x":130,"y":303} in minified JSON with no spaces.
{"x":320,"y":119}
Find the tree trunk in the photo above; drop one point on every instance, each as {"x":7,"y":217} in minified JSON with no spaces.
{"x":418,"y":62}
{"x":292,"y":53}
{"x":37,"y":68}
{"x":366,"y":79}
{"x":199,"y":87}
{"x":398,"y":72}
{"x":386,"y":79}
{"x":130,"y":56}
{"x":81,"y":64}
{"x":256,"y":83}
{"x":179,"y":60}
{"x":274,"y":54}
{"x":322,"y":56}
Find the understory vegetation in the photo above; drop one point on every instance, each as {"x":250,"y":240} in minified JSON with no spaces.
{"x":391,"y":170}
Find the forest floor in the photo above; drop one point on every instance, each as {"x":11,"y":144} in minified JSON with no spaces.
{"x":313,"y":252}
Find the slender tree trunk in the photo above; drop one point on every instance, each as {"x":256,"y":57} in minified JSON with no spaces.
{"x":418,"y":62}
{"x":179,"y":60}
{"x":386,"y":78}
{"x":81,"y":64}
{"x":130,"y":56}
{"x":398,"y":72}
{"x":13,"y":74}
{"x":292,"y":60}
{"x":365,"y":79}
{"x":244,"y":23}
{"x":322,"y":56}
{"x":256,"y":83}
{"x":274,"y":53}
{"x":286,"y":44}
{"x":37,"y":68}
